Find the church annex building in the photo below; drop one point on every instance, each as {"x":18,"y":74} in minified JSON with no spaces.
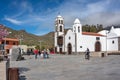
{"x":75,"y":41}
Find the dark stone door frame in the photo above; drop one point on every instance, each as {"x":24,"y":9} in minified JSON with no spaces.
{"x":69,"y":48}
{"x":97,"y":46}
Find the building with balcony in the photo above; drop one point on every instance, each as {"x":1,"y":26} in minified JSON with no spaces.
{"x":7,"y":43}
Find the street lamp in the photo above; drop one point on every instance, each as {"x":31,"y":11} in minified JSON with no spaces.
{"x":20,"y":37}
{"x":40,"y":44}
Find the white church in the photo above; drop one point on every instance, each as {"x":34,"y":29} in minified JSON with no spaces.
{"x":75,"y":41}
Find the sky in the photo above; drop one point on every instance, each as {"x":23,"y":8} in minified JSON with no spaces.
{"x":38,"y":16}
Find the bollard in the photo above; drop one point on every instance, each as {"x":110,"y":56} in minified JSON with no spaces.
{"x":13,"y":73}
{"x":102,"y":55}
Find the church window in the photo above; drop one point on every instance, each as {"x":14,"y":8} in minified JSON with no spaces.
{"x":59,"y":21}
{"x":60,"y":40}
{"x":60,"y":28}
{"x":78,"y":29}
{"x":113,"y":42}
{"x":97,"y":38}
{"x":69,"y":37}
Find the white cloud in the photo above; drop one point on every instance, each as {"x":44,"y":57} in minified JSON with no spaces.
{"x":98,"y":12}
{"x":13,"y":21}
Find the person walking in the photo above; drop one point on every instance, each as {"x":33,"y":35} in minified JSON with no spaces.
{"x":48,"y":52}
{"x":36,"y":53}
{"x":87,"y":54}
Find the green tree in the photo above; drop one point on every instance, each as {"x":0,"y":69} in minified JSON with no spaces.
{"x":37,"y":47}
{"x":93,"y":28}
{"x":99,"y":27}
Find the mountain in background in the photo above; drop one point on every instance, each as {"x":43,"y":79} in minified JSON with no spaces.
{"x":29,"y":39}
{"x":46,"y":41}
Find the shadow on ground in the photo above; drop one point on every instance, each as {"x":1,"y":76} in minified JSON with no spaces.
{"x":21,"y":73}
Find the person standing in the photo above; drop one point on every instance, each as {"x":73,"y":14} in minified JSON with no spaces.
{"x":87,"y":54}
{"x":36,"y":53}
{"x":44,"y":54}
{"x":39,"y":52}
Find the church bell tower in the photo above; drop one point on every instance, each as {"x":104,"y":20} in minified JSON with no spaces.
{"x":59,"y":35}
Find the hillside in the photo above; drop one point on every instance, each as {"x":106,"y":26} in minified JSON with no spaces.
{"x":31,"y":39}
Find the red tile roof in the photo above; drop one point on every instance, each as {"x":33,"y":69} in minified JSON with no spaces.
{"x":10,"y":39}
{"x":91,"y":33}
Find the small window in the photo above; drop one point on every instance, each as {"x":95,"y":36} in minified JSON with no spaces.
{"x":97,"y":38}
{"x":113,"y":42}
{"x":60,"y":28}
{"x":78,"y":29}
{"x":80,"y":46}
{"x":69,"y":37}
{"x":59,"y":21}
{"x":7,"y":42}
{"x":13,"y":43}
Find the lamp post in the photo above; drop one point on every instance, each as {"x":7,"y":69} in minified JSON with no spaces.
{"x":20,"y":37}
{"x":40,"y":44}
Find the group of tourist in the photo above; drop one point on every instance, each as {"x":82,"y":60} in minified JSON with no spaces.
{"x":43,"y":54}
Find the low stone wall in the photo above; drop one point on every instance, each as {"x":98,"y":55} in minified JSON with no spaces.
{"x":113,"y":53}
{"x":93,"y":54}
{"x":4,"y":65}
{"x":98,"y":54}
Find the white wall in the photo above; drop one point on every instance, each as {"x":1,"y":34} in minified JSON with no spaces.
{"x":87,"y":41}
{"x":112,"y":46}
{"x":84,"y":42}
{"x":103,"y":41}
{"x":71,"y":40}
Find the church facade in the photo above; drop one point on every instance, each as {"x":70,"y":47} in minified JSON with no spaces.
{"x":74,"y":41}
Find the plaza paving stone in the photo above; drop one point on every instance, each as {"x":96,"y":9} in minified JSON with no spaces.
{"x":69,"y":67}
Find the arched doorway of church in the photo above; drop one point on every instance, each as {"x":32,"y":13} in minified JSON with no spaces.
{"x":60,"y":49}
{"x":69,"y":48}
{"x":97,"y":46}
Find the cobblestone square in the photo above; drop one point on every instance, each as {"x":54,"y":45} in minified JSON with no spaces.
{"x":69,"y":67}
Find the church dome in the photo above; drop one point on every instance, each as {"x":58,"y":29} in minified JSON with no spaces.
{"x":59,"y":16}
{"x":77,"y":21}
